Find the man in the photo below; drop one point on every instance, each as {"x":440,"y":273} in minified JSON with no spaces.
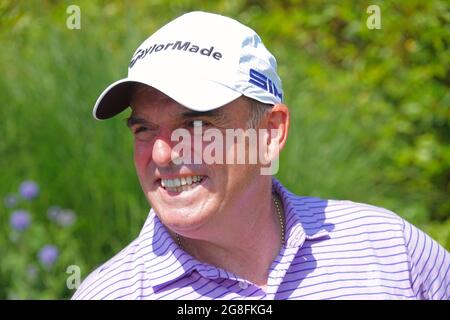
{"x":225,"y":229}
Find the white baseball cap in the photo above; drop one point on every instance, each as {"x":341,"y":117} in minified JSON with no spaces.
{"x":201,"y":60}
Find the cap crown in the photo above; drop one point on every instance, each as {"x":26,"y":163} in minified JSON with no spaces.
{"x":210,"y":47}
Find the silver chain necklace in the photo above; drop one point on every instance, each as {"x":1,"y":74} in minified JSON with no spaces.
{"x":280,"y":218}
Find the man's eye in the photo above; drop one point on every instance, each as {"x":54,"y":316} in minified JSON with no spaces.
{"x":143,"y":133}
{"x":140,"y":129}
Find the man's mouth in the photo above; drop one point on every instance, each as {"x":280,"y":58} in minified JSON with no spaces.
{"x":181,"y":184}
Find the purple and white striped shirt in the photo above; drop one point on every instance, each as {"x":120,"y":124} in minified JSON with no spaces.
{"x":334,"y":250}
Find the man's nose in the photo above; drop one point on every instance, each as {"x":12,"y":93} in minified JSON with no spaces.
{"x":162,"y":151}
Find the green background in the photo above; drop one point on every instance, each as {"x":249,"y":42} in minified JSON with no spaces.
{"x":370,"y":117}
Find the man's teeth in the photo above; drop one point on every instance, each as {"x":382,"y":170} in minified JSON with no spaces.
{"x":180,"y":184}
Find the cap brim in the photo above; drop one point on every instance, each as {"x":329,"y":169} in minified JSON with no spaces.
{"x":194,"y":94}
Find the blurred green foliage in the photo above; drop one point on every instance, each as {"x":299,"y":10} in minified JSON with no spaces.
{"x":370,"y":114}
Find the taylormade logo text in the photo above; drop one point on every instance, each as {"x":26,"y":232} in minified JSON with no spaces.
{"x":187,"y":46}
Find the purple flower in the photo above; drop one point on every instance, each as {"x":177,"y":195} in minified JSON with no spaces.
{"x":48,"y":255}
{"x":29,"y":189}
{"x":11,"y":200}
{"x":20,"y":220}
{"x":65,"y":218}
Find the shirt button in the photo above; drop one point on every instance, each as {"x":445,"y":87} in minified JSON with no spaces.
{"x":243,"y":285}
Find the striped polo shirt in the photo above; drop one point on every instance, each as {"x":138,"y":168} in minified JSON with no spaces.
{"x":334,"y":250}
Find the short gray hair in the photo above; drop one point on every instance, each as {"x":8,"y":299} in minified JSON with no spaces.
{"x":257,"y":112}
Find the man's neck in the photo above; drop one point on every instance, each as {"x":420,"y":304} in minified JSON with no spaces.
{"x":247,"y":251}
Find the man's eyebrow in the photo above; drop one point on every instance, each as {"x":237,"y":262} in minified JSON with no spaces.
{"x":133,"y":120}
{"x":214,"y":114}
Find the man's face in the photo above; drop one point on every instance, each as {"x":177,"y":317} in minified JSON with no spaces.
{"x":210,"y":189}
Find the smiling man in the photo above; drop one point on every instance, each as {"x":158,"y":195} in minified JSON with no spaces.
{"x":225,"y":229}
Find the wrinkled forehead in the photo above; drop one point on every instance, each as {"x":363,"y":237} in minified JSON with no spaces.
{"x":154,"y":105}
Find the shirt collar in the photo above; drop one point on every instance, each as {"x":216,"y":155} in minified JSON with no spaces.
{"x":168,"y":261}
{"x":304,"y":216}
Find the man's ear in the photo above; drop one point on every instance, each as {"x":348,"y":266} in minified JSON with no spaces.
{"x":277,"y":122}
{"x":276,"y":127}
